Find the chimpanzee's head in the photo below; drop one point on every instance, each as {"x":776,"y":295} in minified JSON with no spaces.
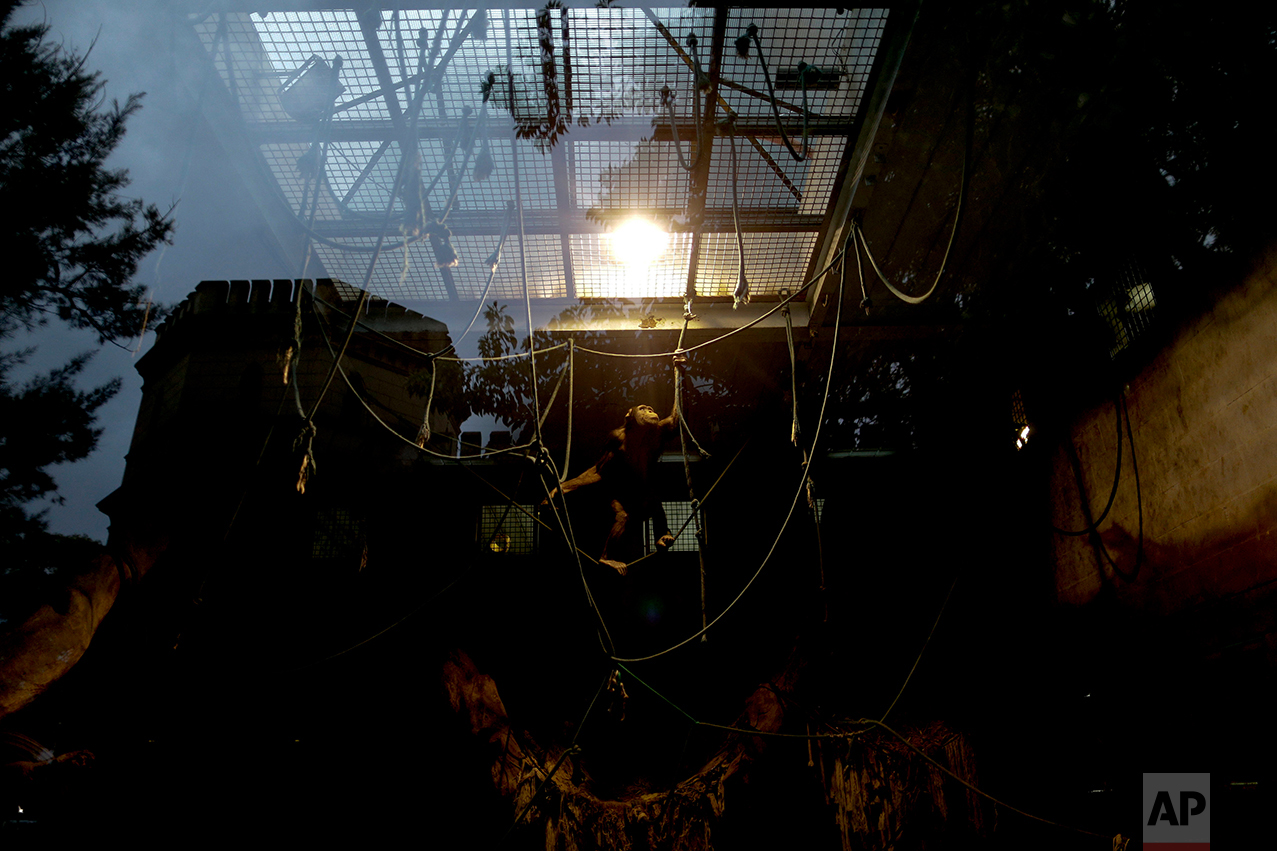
{"x":642,"y":415}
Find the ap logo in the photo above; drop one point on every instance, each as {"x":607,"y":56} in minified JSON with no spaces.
{"x":1176,"y":812}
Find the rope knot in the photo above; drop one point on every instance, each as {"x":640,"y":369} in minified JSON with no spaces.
{"x":305,"y":443}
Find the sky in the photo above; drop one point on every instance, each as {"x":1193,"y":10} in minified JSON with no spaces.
{"x":167,"y":164}
{"x":171,"y":160}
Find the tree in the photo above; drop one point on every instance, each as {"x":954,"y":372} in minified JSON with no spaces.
{"x":73,"y":244}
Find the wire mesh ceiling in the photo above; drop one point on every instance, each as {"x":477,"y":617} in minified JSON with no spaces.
{"x":429,"y":126}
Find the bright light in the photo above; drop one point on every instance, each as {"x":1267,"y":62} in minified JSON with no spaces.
{"x":639,"y":242}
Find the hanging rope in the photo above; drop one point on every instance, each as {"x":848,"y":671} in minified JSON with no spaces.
{"x":794,"y":430}
{"x":804,"y":72}
{"x":1093,"y":525}
{"x":596,"y":352}
{"x":969,"y":140}
{"x":741,"y":294}
{"x":923,"y":650}
{"x":688,"y":520}
{"x":554,"y":394}
{"x":833,"y":353}
{"x":569,"y":535}
{"x":793,"y":372}
{"x":567,"y":451}
{"x":423,"y":435}
{"x":408,"y":167}
{"x":700,"y":84}
{"x":680,"y":365}
{"x":523,"y":259}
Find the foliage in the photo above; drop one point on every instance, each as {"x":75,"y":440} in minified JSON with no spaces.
{"x":73,"y":245}
{"x":43,"y":421}
{"x":1156,"y":132}
{"x":604,"y":388}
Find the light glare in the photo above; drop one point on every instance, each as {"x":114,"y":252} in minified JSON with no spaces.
{"x":639,"y":242}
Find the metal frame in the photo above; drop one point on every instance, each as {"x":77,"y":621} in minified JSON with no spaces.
{"x":780,"y":222}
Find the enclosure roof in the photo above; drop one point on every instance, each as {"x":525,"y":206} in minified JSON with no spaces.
{"x":576,"y":133}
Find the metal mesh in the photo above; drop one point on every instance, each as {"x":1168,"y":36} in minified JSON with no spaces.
{"x":421,"y":280}
{"x":544,"y":258}
{"x":505,"y":530}
{"x":282,"y":160}
{"x":842,"y":46}
{"x":599,"y":274}
{"x":620,"y":60}
{"x":611,"y":153}
{"x":1127,"y":306}
{"x":339,"y":534}
{"x":676,"y":513}
{"x":768,"y":178}
{"x":1019,"y":421}
{"x":773,"y":261}
{"x":629,"y":176}
{"x":360,"y":175}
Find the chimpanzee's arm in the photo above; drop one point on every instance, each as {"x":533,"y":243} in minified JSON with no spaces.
{"x":594,"y":475}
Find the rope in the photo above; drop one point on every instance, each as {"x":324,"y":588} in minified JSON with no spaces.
{"x":533,"y":350}
{"x":741,"y":294}
{"x":679,"y":362}
{"x":435,"y":355}
{"x":705,"y":499}
{"x":567,"y":452}
{"x":862,"y":723}
{"x":977,"y":790}
{"x":699,"y":82}
{"x":414,"y":115}
{"x":423,"y":436}
{"x":746,"y":326}
{"x":935,"y":624}
{"x":1093,"y":525}
{"x":554,"y":394}
{"x":732,"y":729}
{"x":427,"y":68}
{"x":523,"y":260}
{"x":417,"y":609}
{"x":1139,"y":506}
{"x":565,"y":528}
{"x":742,"y":48}
{"x":494,"y":262}
{"x":793,"y":504}
{"x":1096,"y":540}
{"x":957,"y":217}
{"x":794,"y":430}
{"x":793,"y":374}
{"x":572,"y":749}
{"x":425,"y":450}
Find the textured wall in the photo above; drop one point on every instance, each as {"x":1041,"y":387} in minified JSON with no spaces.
{"x":1203,"y":417}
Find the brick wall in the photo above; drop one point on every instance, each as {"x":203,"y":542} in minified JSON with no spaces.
{"x":1204,"y":419}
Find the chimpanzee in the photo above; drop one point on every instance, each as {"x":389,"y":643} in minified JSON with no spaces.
{"x":622,"y":476}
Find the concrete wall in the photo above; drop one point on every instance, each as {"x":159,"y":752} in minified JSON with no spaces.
{"x":1204,"y":419}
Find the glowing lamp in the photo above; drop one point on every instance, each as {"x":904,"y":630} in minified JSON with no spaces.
{"x":638,"y":242}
